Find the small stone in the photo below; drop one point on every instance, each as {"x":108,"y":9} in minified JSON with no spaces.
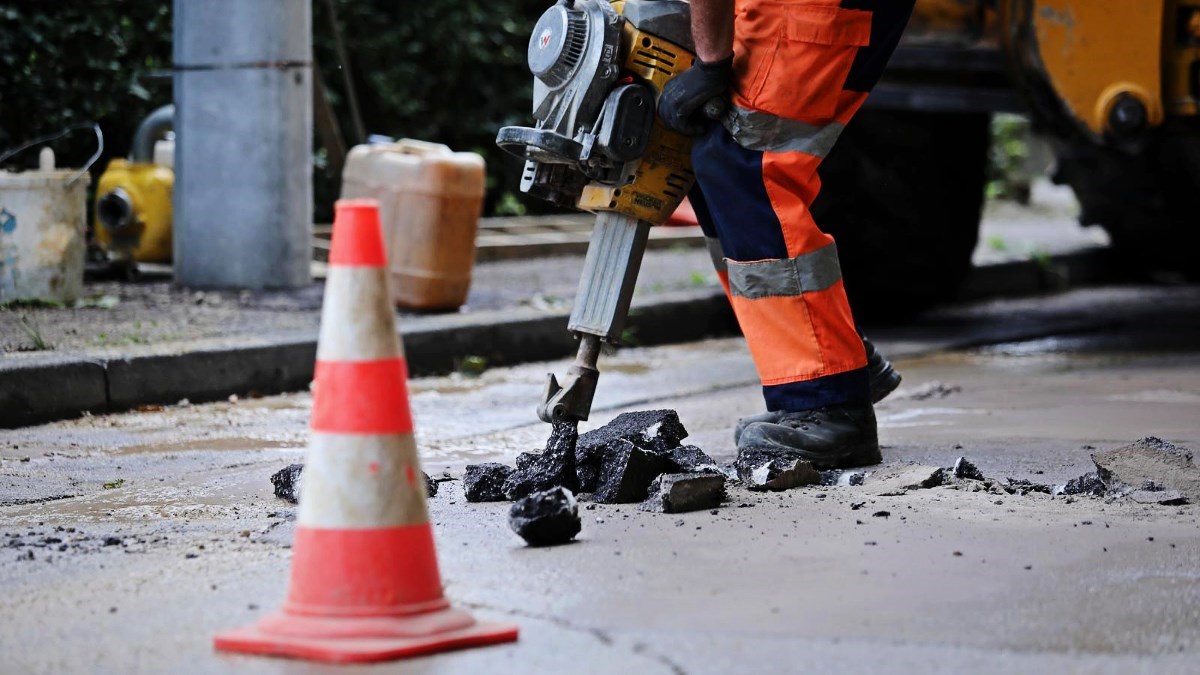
{"x":546,"y":518}
{"x":1024,"y":487}
{"x":112,"y":541}
{"x":683,"y":492}
{"x":431,"y":487}
{"x":842,"y":478}
{"x":485,"y":482}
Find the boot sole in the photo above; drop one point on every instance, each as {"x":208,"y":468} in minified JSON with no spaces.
{"x":861,"y":456}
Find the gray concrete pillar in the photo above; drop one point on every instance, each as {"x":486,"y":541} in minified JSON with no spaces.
{"x":243,"y":123}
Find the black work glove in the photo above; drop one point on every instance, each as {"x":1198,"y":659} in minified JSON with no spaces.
{"x":681,"y":106}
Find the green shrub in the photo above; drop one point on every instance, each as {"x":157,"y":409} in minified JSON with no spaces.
{"x":64,"y":63}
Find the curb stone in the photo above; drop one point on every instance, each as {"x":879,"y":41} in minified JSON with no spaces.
{"x":68,"y":387}
{"x":37,"y":393}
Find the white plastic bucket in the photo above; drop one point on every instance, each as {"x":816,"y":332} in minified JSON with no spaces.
{"x":43,"y":226}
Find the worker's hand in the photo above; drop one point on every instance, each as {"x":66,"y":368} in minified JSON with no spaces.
{"x":681,"y":106}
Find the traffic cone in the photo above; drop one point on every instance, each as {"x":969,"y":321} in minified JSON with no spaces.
{"x":365,"y":584}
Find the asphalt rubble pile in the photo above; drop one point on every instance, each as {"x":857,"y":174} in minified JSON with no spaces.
{"x":638,"y":457}
{"x":1148,"y":471}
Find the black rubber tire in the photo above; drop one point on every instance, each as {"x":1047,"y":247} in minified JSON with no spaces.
{"x":902,"y":194}
{"x":1148,"y":201}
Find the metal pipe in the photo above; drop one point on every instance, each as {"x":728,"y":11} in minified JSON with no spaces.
{"x":149,"y":132}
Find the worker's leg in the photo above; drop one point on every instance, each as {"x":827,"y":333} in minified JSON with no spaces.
{"x":883,"y":377}
{"x":784,"y":279}
{"x":803,"y":70}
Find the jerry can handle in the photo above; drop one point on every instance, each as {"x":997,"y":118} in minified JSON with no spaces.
{"x":413,"y":146}
{"x":54,"y":137}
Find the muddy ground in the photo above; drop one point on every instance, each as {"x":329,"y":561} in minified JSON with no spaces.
{"x":126,"y":541}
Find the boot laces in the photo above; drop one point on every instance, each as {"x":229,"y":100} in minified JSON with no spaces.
{"x":800,"y":420}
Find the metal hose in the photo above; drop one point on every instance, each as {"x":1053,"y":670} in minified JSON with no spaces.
{"x":149,"y":131}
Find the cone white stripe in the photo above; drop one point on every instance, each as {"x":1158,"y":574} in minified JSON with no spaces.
{"x":357,"y":320}
{"x":351,"y":481}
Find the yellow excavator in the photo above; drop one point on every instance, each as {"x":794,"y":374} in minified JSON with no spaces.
{"x":1114,"y":85}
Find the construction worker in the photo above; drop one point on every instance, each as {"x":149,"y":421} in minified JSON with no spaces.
{"x":794,"y":73}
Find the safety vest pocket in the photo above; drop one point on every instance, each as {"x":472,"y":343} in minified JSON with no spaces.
{"x":808,"y":62}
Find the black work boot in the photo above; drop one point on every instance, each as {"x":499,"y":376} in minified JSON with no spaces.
{"x":883,"y":380}
{"x":836,"y":437}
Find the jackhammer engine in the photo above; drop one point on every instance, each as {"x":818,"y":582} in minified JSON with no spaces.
{"x":598,"y":145}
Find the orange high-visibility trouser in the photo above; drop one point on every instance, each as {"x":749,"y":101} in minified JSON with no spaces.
{"x":801,"y":71}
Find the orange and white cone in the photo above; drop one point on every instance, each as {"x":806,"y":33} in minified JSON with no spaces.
{"x":365,"y":583}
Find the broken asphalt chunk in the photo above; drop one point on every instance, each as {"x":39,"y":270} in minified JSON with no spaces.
{"x":763,"y":469}
{"x":683,"y":492}
{"x":626,"y":473}
{"x":555,"y":467}
{"x":287,"y":482}
{"x":485,"y":482}
{"x":1087,"y":484}
{"x":691,"y":459}
{"x":546,"y":518}
{"x":964,"y":469}
{"x":656,"y":431}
